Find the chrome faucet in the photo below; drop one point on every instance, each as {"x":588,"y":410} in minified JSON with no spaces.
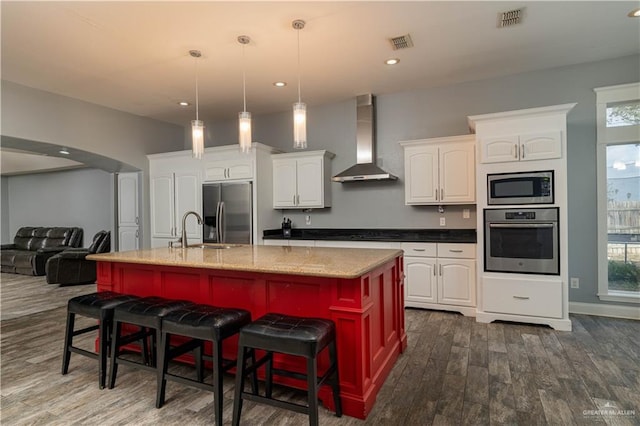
{"x":183,"y":239}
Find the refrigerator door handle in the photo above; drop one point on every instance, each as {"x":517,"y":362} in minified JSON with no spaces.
{"x":218,"y":222}
{"x":222,"y":224}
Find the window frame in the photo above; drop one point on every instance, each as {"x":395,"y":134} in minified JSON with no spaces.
{"x":610,"y":136}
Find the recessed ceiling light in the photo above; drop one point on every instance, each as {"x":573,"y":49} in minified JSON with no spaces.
{"x":392,"y":61}
{"x":635,"y":13}
{"x":64,"y":151}
{"x":183,"y":103}
{"x":280,"y":83}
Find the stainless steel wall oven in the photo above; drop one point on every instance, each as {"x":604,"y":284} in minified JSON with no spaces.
{"x":522,"y":241}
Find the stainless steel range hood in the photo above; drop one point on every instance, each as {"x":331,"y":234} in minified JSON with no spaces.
{"x":365,"y":168}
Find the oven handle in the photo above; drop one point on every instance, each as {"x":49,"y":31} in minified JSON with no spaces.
{"x":522,"y":225}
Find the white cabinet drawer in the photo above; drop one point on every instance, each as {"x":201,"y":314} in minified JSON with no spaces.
{"x":419,"y":249}
{"x":521,"y":296}
{"x":457,"y":250}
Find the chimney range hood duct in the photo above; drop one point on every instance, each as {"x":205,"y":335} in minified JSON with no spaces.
{"x":364,"y":169}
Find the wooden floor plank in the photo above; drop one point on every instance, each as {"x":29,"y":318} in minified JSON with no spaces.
{"x":454,"y":371}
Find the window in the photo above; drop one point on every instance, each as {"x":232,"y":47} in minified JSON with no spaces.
{"x":618,"y":157}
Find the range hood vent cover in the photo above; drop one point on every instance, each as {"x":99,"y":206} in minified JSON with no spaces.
{"x":364,"y":169}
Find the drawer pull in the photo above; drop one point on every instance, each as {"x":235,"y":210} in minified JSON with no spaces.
{"x":455,"y":251}
{"x":521,"y":297}
{"x":415,"y":249}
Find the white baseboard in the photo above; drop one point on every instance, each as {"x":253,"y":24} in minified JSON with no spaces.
{"x":605,"y":310}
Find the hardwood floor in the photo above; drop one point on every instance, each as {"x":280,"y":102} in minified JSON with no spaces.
{"x":455,"y":371}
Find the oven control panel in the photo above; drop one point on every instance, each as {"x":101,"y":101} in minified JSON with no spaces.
{"x":520,"y":215}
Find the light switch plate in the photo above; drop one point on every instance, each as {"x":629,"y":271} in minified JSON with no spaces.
{"x":575,"y":282}
{"x":465,"y":213}
{"x":307,"y":219}
{"x":443,"y":221}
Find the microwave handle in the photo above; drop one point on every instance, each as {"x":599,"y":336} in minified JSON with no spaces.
{"x":521,"y":225}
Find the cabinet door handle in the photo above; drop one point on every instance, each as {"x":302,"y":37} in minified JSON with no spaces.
{"x":440,"y":269}
{"x":294,"y":199}
{"x":298,"y":199}
{"x":521,"y":297}
{"x":137,"y":235}
{"x":455,"y":251}
{"x":434,"y":272}
{"x":522,"y":151}
{"x":436,"y":194}
{"x":442,"y":194}
{"x":416,"y":249}
{"x":516,"y":151}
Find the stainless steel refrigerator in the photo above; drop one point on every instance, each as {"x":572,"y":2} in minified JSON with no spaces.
{"x":226,"y":209}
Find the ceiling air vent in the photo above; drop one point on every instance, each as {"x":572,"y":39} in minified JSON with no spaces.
{"x":401,"y":42}
{"x":511,"y":17}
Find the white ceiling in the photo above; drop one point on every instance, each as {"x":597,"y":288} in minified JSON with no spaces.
{"x":133,"y":56}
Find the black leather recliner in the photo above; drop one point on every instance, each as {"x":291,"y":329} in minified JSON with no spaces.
{"x":71,"y":266}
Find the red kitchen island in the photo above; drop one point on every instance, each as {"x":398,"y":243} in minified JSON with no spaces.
{"x":361,"y":290}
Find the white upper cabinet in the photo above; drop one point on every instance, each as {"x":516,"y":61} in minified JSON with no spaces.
{"x":440,"y":170}
{"x":238,"y":166}
{"x":301,"y":180}
{"x":529,"y":147}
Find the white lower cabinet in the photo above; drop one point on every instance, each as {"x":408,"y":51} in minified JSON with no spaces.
{"x":440,"y":276}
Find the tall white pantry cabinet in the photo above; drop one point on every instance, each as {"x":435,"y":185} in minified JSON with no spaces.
{"x":525,"y":140}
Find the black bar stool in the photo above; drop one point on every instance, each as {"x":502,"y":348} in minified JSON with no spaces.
{"x":145,"y":313}
{"x":100,"y":306}
{"x":200,"y":323}
{"x":305,"y":337}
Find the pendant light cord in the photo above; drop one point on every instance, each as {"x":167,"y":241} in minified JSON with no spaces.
{"x":299,"y":97}
{"x":244,"y":82}
{"x":197,"y":118}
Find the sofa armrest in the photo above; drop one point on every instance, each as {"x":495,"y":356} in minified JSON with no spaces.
{"x":7,"y":246}
{"x":74,"y":253}
{"x":51,"y":250}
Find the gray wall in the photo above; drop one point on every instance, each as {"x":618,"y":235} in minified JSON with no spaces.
{"x":36,"y":115}
{"x":80,"y":197}
{"x":443,"y":111}
{"x":5,"y":237}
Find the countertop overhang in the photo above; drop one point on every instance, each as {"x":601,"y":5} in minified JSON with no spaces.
{"x":382,"y":234}
{"x":312,"y":261}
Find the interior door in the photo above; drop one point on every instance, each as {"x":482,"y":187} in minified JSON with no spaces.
{"x":128,"y":217}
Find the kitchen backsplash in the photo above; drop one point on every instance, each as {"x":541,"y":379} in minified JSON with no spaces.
{"x":422,"y":217}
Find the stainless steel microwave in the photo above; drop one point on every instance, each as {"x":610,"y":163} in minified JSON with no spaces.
{"x":520,"y":188}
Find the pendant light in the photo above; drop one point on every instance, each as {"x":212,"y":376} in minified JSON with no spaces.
{"x":197,"y":126}
{"x":299,"y":108}
{"x":244,"y":117}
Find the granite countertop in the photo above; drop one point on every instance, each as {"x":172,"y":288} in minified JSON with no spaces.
{"x":313,"y":261}
{"x":391,"y":235}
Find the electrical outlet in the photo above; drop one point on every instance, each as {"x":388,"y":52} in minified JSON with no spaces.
{"x":465,"y":213}
{"x":307,"y":219}
{"x":575,"y":282}
{"x":443,"y":221}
